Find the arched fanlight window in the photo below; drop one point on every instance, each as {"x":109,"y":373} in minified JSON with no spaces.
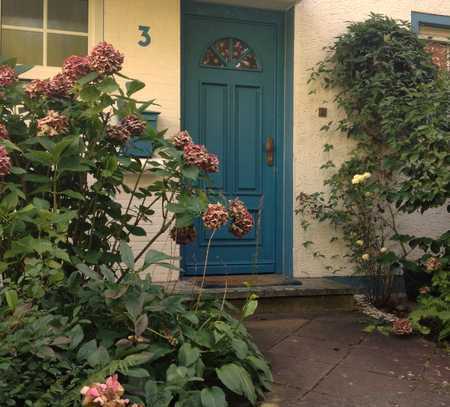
{"x":230,"y":53}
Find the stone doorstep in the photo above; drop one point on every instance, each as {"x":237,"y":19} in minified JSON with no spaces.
{"x":312,"y":294}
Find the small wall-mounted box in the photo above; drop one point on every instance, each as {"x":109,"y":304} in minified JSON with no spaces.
{"x":323,"y":112}
{"x":142,"y":148}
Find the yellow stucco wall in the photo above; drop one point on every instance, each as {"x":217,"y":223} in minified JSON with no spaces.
{"x":158,"y":65}
{"x":317,"y":23}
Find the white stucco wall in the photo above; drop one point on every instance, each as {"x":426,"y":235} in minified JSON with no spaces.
{"x":317,"y":23}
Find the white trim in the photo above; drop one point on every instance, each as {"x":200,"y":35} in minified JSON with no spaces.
{"x":45,"y":26}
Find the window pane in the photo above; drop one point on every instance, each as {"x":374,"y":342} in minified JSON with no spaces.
{"x":61,"y":46}
{"x":68,"y":15}
{"x":28,"y":13}
{"x":26,"y":46}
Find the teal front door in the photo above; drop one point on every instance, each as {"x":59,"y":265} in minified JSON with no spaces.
{"x":232,"y":103}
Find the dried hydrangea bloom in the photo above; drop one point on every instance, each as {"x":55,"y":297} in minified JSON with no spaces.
{"x":59,"y":86}
{"x":53,"y":124}
{"x":118,"y":132}
{"x":133,"y":124}
{"x":432,"y":264}
{"x":4,"y":134}
{"x":75,"y":67}
{"x":215,"y":216}
{"x":184,"y":235}
{"x":8,"y":76}
{"x":211,"y":164}
{"x":241,"y":219}
{"x":37,"y":88}
{"x":105,"y":60}
{"x":402,"y":327}
{"x":195,"y":154}
{"x":5,"y":162}
{"x":182,"y":139}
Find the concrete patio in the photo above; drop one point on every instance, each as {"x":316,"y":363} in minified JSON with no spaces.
{"x":327,"y":360}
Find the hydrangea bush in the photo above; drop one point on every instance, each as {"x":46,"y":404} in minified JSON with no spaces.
{"x":75,"y":305}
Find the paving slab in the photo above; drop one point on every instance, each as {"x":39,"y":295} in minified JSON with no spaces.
{"x":327,"y":360}
{"x":295,"y":372}
{"x":304,"y":348}
{"x":267,"y":333}
{"x":347,"y":331}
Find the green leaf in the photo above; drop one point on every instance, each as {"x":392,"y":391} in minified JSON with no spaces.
{"x":134,"y":86}
{"x":249,"y":308}
{"x":77,"y":335}
{"x":240,"y":348}
{"x":86,"y":349}
{"x":126,"y":254}
{"x":11,"y":299}
{"x":73,"y":194}
{"x":100,"y":357}
{"x":238,"y":380}
{"x":191,"y":172}
{"x":188,"y":355}
{"x":87,"y":78}
{"x":141,"y":325}
{"x":137,"y":359}
{"x":137,"y":372}
{"x":90,"y":93}
{"x":213,"y":397}
{"x":154,"y":257}
{"x":108,"y":85}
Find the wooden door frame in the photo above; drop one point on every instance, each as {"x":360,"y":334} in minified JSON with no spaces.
{"x":284,"y":107}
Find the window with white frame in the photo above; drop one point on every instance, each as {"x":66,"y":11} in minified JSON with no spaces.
{"x":45,"y":32}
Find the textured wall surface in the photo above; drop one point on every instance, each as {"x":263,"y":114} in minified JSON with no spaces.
{"x":158,"y":65}
{"x":317,"y":23}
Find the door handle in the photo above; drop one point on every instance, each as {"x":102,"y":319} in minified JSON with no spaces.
{"x":269,"y":151}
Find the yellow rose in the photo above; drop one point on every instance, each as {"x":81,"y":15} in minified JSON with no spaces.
{"x":365,"y":256}
{"x":383,"y":250}
{"x":360,"y":242}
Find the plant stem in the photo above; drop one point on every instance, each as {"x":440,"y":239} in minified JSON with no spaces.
{"x":204,"y":271}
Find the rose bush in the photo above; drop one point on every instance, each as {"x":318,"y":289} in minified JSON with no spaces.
{"x":76,"y":305}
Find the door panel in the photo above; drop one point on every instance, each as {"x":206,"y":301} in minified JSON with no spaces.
{"x":231,"y":106}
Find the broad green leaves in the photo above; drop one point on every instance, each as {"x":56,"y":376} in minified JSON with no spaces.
{"x":213,"y":397}
{"x":238,"y":380}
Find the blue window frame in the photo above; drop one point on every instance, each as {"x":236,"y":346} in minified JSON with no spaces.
{"x":142,"y":148}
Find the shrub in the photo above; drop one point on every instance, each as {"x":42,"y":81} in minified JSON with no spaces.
{"x":75,"y":301}
{"x":396,"y":113}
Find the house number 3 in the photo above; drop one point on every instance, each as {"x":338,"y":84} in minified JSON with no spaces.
{"x":145,"y":33}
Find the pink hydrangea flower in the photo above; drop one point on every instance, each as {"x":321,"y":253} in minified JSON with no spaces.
{"x":402,"y":327}
{"x":8,"y":76}
{"x":241,"y":219}
{"x":118,"y":132}
{"x":108,"y":394}
{"x":53,"y":124}
{"x":4,"y":134}
{"x":195,"y":154}
{"x":75,"y":67}
{"x":5,"y":162}
{"x":105,"y":60}
{"x":212,"y":163}
{"x":215,"y":216}
{"x":59,"y":86}
{"x":182,"y":139}
{"x":133,"y":124}
{"x":36,"y":88}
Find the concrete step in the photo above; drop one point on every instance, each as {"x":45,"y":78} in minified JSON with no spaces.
{"x":306,"y":294}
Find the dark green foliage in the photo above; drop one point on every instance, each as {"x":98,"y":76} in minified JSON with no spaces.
{"x":396,"y":107}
